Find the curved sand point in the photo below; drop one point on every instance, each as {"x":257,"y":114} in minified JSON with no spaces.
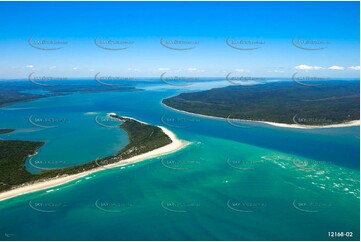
{"x":42,"y":185}
{"x":295,"y":126}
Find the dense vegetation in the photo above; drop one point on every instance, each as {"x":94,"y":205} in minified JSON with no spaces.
{"x":13,"y":154}
{"x":330,"y":103}
{"x":12,"y":157}
{"x":12,"y":92}
{"x":142,"y":138}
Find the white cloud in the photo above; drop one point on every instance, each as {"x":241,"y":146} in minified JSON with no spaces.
{"x":308,"y":68}
{"x":162,"y":69}
{"x":318,"y":67}
{"x":76,"y":68}
{"x":336,"y":68}
{"x":278,"y":71}
{"x":132,"y":69}
{"x":241,"y":70}
{"x":30,"y":66}
{"x":303,"y":67}
{"x":91,"y":70}
{"x":52,"y":67}
{"x":191,"y":69}
{"x":355,"y":68}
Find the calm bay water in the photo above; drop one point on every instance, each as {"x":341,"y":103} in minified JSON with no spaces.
{"x":234,"y":182}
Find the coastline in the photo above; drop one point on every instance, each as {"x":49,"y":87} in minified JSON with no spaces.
{"x":282,"y":125}
{"x":43,"y":185}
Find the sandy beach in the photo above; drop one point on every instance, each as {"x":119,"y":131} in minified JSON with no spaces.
{"x":42,"y":185}
{"x":300,"y":126}
{"x":296,"y":126}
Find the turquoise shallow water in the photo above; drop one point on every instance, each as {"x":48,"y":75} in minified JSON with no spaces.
{"x":233,"y":182}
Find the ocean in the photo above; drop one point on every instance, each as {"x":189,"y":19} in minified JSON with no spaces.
{"x":236,"y":181}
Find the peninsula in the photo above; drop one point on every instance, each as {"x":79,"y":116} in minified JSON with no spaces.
{"x":145,"y":141}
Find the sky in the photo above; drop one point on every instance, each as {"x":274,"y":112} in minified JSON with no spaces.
{"x":193,"y":39}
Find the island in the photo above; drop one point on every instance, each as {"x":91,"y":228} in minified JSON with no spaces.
{"x":286,"y":104}
{"x":145,"y":141}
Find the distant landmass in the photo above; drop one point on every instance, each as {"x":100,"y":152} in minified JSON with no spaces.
{"x":5,"y":131}
{"x":12,"y":92}
{"x":333,"y":102}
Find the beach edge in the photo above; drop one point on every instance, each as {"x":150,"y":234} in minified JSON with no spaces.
{"x":282,"y":125}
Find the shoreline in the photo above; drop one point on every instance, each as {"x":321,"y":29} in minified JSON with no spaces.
{"x":176,"y":145}
{"x":282,"y":125}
